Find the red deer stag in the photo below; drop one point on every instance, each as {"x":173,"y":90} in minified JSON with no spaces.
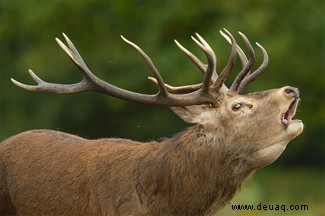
{"x":196,"y":172}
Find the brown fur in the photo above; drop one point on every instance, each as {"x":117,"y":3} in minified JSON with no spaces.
{"x":196,"y":172}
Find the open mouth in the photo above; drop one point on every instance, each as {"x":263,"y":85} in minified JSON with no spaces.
{"x":286,"y":117}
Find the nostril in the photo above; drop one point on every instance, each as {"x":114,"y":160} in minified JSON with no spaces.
{"x":292,"y":92}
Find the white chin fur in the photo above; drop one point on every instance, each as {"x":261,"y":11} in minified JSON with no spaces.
{"x":295,"y":127}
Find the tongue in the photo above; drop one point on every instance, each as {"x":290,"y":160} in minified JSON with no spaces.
{"x":288,"y":115}
{"x":287,"y":118}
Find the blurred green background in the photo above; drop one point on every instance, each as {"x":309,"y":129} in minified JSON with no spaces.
{"x":292,"y":31}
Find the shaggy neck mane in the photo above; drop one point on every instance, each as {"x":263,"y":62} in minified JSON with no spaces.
{"x":195,"y":172}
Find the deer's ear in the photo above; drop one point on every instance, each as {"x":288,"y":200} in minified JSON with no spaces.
{"x":196,"y":114}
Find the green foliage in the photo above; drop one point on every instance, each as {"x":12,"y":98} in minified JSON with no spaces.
{"x":291,"y":31}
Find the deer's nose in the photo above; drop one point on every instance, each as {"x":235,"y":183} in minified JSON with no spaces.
{"x":291,"y":92}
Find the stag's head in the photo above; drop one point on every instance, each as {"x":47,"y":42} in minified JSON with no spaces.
{"x":257,"y":126}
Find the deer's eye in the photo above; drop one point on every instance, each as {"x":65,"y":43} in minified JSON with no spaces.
{"x":236,"y":106}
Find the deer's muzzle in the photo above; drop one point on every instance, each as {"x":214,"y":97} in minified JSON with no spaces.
{"x":292,"y":126}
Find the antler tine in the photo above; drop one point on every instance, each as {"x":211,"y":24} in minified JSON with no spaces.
{"x":240,"y":52}
{"x":202,"y":67}
{"x":179,"y":89}
{"x":160,"y":81}
{"x":206,"y":45}
{"x":72,"y":48}
{"x":73,"y":54}
{"x":235,"y":85}
{"x":228,"y":68}
{"x":257,"y":72}
{"x":29,"y":87}
{"x":43,"y":86}
{"x":212,"y":61}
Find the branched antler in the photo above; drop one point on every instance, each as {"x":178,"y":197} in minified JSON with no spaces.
{"x":206,"y":92}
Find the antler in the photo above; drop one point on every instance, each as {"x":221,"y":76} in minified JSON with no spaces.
{"x":206,"y":92}
{"x":242,"y":79}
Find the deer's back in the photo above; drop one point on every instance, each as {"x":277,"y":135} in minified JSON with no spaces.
{"x":44,"y":169}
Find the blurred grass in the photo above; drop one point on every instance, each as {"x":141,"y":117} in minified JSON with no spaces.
{"x":303,"y":186}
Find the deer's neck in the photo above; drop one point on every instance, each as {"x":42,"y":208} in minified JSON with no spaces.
{"x":197,"y":169}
